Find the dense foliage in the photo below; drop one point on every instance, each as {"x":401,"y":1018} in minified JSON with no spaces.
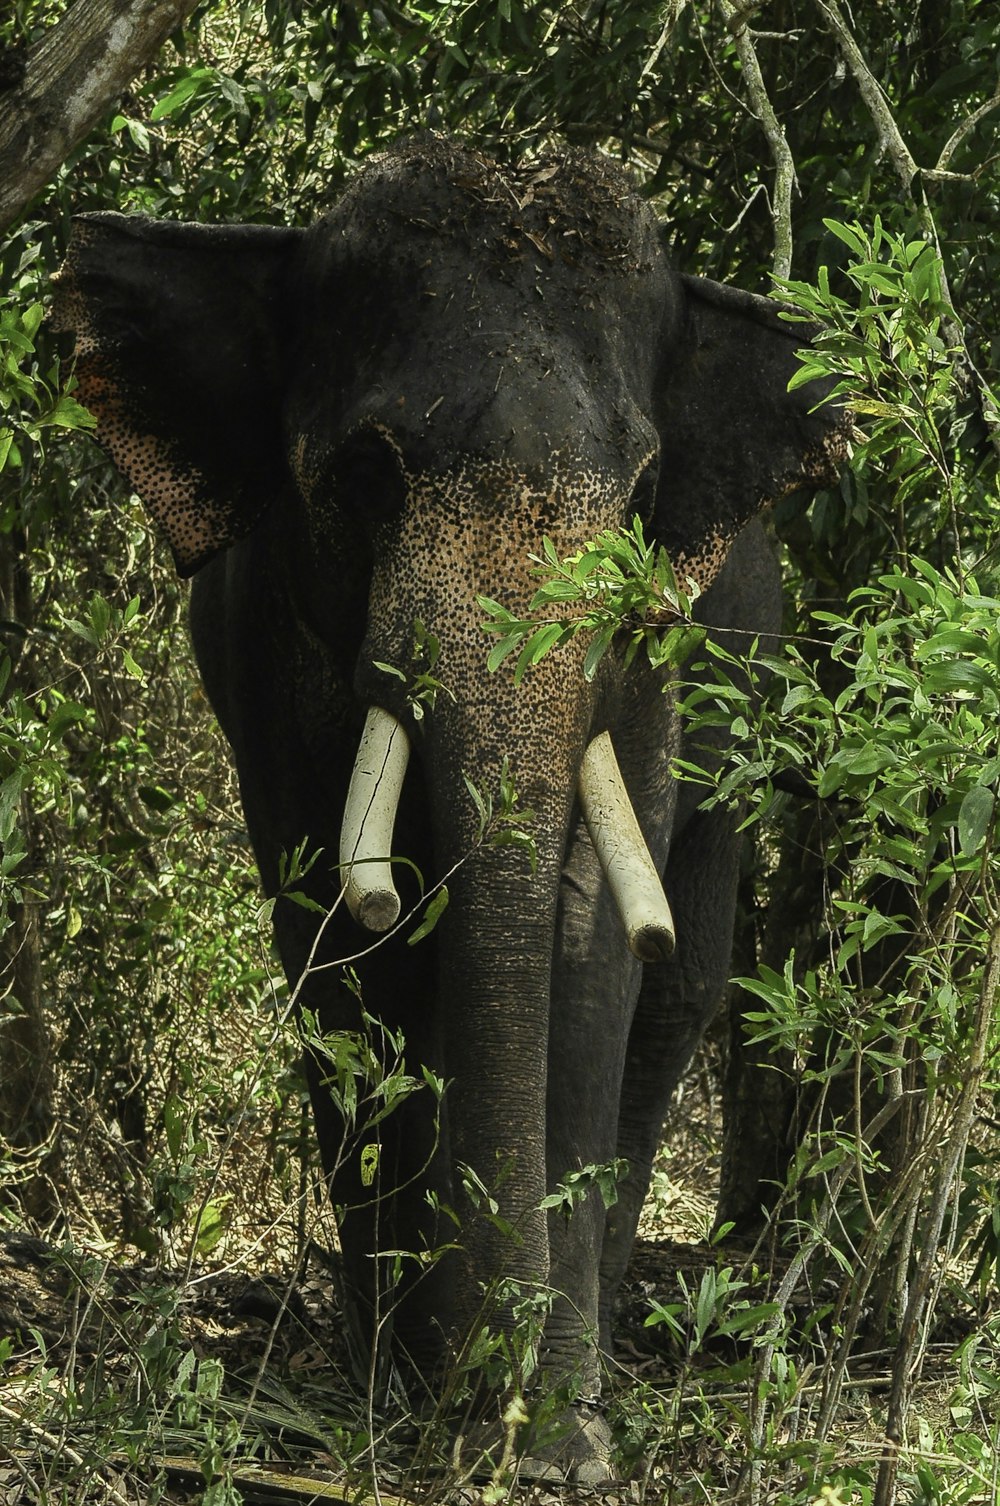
{"x":852,"y":158}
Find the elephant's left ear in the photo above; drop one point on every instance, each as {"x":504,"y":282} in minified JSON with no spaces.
{"x":180,"y":345}
{"x":733,"y":439}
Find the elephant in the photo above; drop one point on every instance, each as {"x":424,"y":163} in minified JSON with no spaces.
{"x":350,"y":434}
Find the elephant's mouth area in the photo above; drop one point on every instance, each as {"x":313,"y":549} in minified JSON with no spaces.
{"x":373,"y":800}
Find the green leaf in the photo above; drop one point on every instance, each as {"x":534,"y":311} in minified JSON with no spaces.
{"x":139,"y":134}
{"x":484,"y":807}
{"x":66,"y":715}
{"x":959,"y":674}
{"x":951,"y":641}
{"x":389,"y":669}
{"x":69,"y":414}
{"x":31,"y":319}
{"x":369,"y":1163}
{"x":748,"y":1318}
{"x":540,"y":642}
{"x":868,"y":759}
{"x":501,"y":650}
{"x":974,"y":817}
{"x":850,"y":235}
{"x":435,"y":909}
{"x":304,"y":901}
{"x":212,"y":1226}
{"x":598,"y":648}
{"x":100,"y":616}
{"x":174,"y":1124}
{"x":132,"y":668}
{"x":186,"y":88}
{"x":705,"y":1306}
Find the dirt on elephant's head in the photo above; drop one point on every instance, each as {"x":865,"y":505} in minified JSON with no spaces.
{"x":573,"y":208}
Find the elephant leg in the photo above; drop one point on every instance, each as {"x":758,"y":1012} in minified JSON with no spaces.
{"x":292,"y":777}
{"x":593,"y":992}
{"x":676,"y":1004}
{"x":593,"y":996}
{"x":381,"y":1157}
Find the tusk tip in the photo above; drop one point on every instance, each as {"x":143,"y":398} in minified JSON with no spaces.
{"x":652,"y":943}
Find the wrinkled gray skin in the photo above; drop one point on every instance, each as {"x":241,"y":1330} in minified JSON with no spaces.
{"x":371,"y":422}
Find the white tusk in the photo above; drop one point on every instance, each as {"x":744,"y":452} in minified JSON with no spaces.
{"x":623,"y":854}
{"x":369,"y":815}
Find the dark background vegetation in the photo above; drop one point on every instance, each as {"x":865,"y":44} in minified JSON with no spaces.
{"x":148,"y":1087}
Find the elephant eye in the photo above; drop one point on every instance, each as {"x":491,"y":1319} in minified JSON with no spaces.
{"x":370,"y":481}
{"x":644,"y":490}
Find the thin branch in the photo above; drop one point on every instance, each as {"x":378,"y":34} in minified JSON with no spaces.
{"x":750,"y":1475}
{"x":890,"y":137}
{"x":872,"y":93}
{"x":906,"y":1366}
{"x":58,"y":1446}
{"x":959,"y":134}
{"x":672,"y":16}
{"x":781,"y":156}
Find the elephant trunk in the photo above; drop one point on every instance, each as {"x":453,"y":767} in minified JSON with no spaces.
{"x":496,"y":946}
{"x":496,"y":939}
{"x":496,"y":950}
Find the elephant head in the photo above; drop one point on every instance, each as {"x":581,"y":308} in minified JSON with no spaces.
{"x":351,"y":429}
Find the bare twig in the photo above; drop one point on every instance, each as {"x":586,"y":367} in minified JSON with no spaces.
{"x":750,"y":1477}
{"x":906,"y":1364}
{"x":890,"y":137}
{"x":784,"y":166}
{"x":671,"y":17}
{"x":959,"y":134}
{"x":59,"y":1446}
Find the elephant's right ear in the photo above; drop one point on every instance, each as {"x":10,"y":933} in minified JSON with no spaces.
{"x":181,"y":357}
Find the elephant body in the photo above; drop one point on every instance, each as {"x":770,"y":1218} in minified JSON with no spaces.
{"x":352,"y":430}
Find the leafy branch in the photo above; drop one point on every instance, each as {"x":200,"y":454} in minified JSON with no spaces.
{"x":617,"y":582}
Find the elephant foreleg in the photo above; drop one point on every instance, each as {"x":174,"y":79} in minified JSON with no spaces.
{"x":677,"y":1001}
{"x":593,"y":992}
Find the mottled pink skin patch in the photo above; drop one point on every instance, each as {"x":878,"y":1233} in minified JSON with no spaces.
{"x":177,"y":495}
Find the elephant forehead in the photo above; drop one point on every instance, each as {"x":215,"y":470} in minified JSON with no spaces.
{"x":578,"y":209}
{"x":438,"y":263}
{"x":512,"y":375}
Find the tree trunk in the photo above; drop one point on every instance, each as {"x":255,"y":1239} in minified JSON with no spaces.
{"x":26,"y":1113}
{"x":760,"y":1087}
{"x":71,"y":77}
{"x":26,"y":1108}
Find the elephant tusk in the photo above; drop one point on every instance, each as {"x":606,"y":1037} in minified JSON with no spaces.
{"x":369,"y":815}
{"x":623,"y":854}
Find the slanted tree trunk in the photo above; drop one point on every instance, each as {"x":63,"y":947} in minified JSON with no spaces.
{"x":70,"y":78}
